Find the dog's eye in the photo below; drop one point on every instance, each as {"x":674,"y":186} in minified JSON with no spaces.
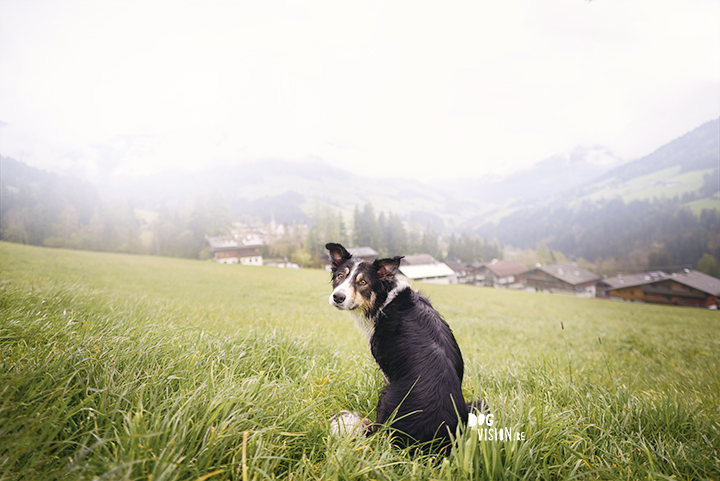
{"x":340,"y":276}
{"x":362,"y":282}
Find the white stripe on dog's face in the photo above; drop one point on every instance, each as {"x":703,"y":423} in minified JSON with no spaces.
{"x":344,"y":295}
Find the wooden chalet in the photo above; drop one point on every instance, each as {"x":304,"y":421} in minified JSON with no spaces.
{"x":233,"y":250}
{"x":367,"y":254}
{"x":504,"y":274}
{"x":464,"y":272}
{"x":565,"y":278}
{"x":687,"y":288}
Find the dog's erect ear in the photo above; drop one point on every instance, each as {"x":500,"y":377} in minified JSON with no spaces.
{"x":387,"y":268}
{"x":338,"y":254}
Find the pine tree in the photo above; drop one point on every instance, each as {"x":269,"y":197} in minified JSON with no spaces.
{"x":430,"y":242}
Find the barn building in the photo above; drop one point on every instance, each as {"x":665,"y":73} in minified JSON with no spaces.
{"x":234,"y":250}
{"x":504,"y":274}
{"x":565,"y":278}
{"x":464,"y":272}
{"x":686,"y":288}
{"x":424,"y":268}
{"x":367,"y":254}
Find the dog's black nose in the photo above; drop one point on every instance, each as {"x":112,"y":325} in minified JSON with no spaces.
{"x":339,"y":298}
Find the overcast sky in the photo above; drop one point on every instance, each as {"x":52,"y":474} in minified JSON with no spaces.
{"x":426,"y":89}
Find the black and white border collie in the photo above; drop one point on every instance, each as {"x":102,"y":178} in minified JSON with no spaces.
{"x":413,"y":346}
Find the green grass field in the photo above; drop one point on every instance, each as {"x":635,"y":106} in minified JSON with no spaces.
{"x":147,"y":368}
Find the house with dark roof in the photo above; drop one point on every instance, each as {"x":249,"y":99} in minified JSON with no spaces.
{"x":236,"y":250}
{"x":504,"y":274}
{"x":365,"y":253}
{"x":686,"y":288}
{"x":565,"y":278}
{"x":464,"y":272}
{"x":418,"y":260}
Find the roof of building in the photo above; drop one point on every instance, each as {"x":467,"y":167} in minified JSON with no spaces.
{"x":634,"y":279}
{"x":426,"y":271}
{"x":458,"y":266}
{"x":696,"y":280}
{"x":506,"y":268}
{"x":222,"y":243}
{"x":418,"y":260}
{"x":219,"y":243}
{"x":570,"y":272}
{"x":363,"y":251}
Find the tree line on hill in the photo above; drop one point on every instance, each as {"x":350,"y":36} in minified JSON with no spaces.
{"x":388,"y":235}
{"x":385,"y":232}
{"x":45,"y":209}
{"x":617,"y":236}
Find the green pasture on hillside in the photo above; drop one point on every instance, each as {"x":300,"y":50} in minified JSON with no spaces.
{"x":666,"y":183}
{"x":148,"y":368}
{"x":697,"y":206}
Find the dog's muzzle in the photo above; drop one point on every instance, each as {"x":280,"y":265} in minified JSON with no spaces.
{"x":341,"y":299}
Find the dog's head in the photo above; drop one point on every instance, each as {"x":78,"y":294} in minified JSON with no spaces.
{"x":358,"y":283}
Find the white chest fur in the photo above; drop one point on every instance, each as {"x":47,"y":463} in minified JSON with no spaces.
{"x":364,"y":325}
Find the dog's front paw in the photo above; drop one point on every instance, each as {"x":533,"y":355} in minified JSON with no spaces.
{"x":346,"y":423}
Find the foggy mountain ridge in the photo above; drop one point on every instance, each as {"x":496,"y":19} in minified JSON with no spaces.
{"x":288,"y":190}
{"x":696,"y":150}
{"x":665,"y":203}
{"x":549,"y":177}
{"x":285,"y":190}
{"x":569,"y":179}
{"x":259,"y":188}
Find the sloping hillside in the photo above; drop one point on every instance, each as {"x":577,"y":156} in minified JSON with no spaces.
{"x":662,"y":206}
{"x":287,"y":191}
{"x":687,"y":166}
{"x":696,"y":150}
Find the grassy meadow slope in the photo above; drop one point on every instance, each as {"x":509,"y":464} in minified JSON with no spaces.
{"x":666,"y":183}
{"x":136,"y":367}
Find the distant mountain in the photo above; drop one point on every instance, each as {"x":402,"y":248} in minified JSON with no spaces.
{"x":550,"y":177}
{"x":686,"y":167}
{"x":665,"y":204}
{"x":696,"y":150}
{"x":596,"y":173}
{"x":585,"y":203}
{"x":288,"y":190}
{"x":23,"y":185}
